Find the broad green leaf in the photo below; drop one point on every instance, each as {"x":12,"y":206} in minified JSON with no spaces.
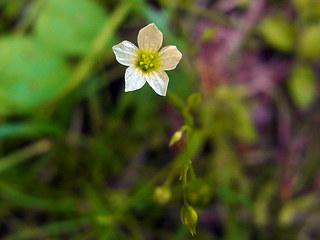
{"x":29,"y":75}
{"x":302,"y":86}
{"x":70,"y":25}
{"x":309,"y":44}
{"x":278,"y":32}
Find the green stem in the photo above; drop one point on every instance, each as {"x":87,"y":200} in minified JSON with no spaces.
{"x":30,"y":16}
{"x":87,"y":64}
{"x":24,"y":154}
{"x":50,"y":230}
{"x":211,"y":14}
{"x":192,"y":172}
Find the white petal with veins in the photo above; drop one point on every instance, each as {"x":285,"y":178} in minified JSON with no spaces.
{"x":150,"y":38}
{"x":134,"y":79}
{"x":126,"y":53}
{"x":158,"y":80}
{"x":169,"y":57}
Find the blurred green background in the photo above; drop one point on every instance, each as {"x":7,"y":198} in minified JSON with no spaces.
{"x":82,"y":159}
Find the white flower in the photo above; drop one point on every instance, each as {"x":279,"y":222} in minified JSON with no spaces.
{"x":147,"y":63}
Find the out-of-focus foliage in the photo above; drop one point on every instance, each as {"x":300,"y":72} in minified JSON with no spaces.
{"x":232,"y":152}
{"x":69,"y":26}
{"x":30,"y":74}
{"x":303,"y":85}
{"x":308,"y":43}
{"x":279,"y":32}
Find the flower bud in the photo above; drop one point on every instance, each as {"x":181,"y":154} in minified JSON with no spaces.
{"x":189,"y":218}
{"x":162,"y":194}
{"x":208,"y":34}
{"x":176,"y":137}
{"x":194,"y":100}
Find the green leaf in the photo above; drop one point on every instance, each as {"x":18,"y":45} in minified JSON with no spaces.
{"x":29,"y":75}
{"x":24,"y":154}
{"x":300,"y":205}
{"x":27,"y":129}
{"x":309,"y":45}
{"x":70,"y":26}
{"x":307,"y":9}
{"x":8,"y":193}
{"x":301,"y":5}
{"x":261,"y":206}
{"x":278,"y":32}
{"x":302,"y":86}
{"x":50,"y":230}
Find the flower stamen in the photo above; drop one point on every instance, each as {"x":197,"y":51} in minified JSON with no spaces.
{"x":147,"y":61}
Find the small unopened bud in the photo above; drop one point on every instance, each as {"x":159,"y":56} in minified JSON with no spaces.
{"x":176,"y":137}
{"x":162,"y":194}
{"x":189,"y":218}
{"x":208,"y":34}
{"x":194,"y":100}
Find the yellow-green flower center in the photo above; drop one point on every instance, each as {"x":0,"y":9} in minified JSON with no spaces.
{"x":147,"y":61}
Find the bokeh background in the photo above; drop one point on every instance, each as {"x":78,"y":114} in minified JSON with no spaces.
{"x":82,"y":159}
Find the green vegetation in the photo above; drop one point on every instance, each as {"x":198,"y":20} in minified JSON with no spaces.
{"x":232,"y":151}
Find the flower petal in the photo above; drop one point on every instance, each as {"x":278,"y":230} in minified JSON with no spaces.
{"x":169,"y":57}
{"x":126,"y":53}
{"x":150,"y":38}
{"x":158,"y":80}
{"x":134,"y":79}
